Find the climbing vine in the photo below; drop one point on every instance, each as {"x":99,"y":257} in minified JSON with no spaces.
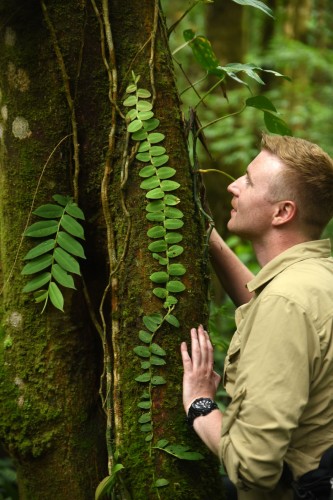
{"x":165,"y":246}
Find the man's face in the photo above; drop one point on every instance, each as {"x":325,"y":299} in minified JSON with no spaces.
{"x":252,"y":206}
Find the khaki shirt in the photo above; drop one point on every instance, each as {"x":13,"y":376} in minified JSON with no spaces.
{"x":279,"y":374}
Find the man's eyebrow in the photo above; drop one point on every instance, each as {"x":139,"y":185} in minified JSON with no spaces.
{"x":247,"y":173}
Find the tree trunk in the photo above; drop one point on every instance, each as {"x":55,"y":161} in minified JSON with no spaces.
{"x":65,"y":67}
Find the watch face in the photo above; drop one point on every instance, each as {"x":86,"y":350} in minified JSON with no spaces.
{"x":203,"y":404}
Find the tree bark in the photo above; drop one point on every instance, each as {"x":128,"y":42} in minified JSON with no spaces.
{"x":64,"y":70}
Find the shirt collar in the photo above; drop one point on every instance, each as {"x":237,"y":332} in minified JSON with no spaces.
{"x":302,"y":251}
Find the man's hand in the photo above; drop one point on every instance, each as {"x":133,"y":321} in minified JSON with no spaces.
{"x":200,"y":379}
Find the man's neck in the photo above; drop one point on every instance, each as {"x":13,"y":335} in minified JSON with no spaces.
{"x":269,"y":248}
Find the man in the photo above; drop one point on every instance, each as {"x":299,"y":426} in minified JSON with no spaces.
{"x":279,"y":367}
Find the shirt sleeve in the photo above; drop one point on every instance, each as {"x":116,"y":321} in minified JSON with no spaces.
{"x":271,"y":390}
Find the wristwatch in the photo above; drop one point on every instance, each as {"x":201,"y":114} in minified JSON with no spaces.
{"x":200,"y":407}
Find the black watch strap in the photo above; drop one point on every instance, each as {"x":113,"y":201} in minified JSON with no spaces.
{"x":200,"y":407}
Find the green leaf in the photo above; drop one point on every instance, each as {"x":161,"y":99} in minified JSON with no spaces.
{"x":145,"y":337}
{"x":173,"y":223}
{"x":41,"y":295}
{"x":155,"y":137}
{"x":147,"y":171}
{"x":155,"y":206}
{"x":170,"y":301}
{"x":165,"y":172}
{"x":72,"y":226}
{"x":162,"y":260}
{"x":176,"y":269}
{"x":49,"y":211}
{"x":131,"y":88}
{"x":157,"y":350}
{"x":173,"y":238}
{"x":145,"y":365}
{"x":149,"y":437}
{"x":171,"y":199}
{"x":144,"y":146}
{"x":146,"y":417}
{"x":175,"y":286}
{"x":152,"y":322}
{"x":159,"y":277}
{"x":174,"y":251}
{"x":261,"y":102}
{"x":158,"y":246}
{"x":130,"y":101}
{"x":146,"y":428}
{"x":157,"y":150}
{"x":155,"y":194}
{"x":144,"y":405}
{"x":275,"y":125}
{"x":40,"y":249}
{"x":134,"y":126}
{"x":62,"y":200}
{"x":156,"y":361}
{"x":144,"y":106}
{"x":42,"y":228}
{"x":142,"y":351}
{"x":66,"y":261}
{"x":182,"y":452}
{"x":158,"y":380}
{"x":144,"y":93}
{"x":104,"y":487}
{"x":75,"y":211}
{"x":169,"y":185}
{"x":157,"y":161}
{"x":159,"y":483}
{"x":145,"y":115}
{"x":155,"y":217}
{"x":131,"y":114}
{"x":70,"y":244}
{"x":161,"y":293}
{"x":141,"y":135}
{"x":37,"y":264}
{"x":173,"y":213}
{"x":62,"y":277}
{"x":37,"y":282}
{"x":56,"y":296}
{"x":161,"y":443}
{"x":144,"y":377}
{"x":150,"y":183}
{"x":151,"y":124}
{"x":156,"y":232}
{"x":202,"y":50}
{"x":257,"y":4}
{"x":170,"y":318}
{"x":143,"y":156}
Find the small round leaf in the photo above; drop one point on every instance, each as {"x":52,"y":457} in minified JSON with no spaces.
{"x":169,"y":185}
{"x":173,"y":238}
{"x":159,"y":277}
{"x":175,"y":286}
{"x":156,"y":232}
{"x":150,"y":183}
{"x":165,"y":172}
{"x":174,"y":251}
{"x":173,"y":223}
{"x":158,"y":246}
{"x":155,"y":194}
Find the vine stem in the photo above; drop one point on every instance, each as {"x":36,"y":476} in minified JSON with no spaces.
{"x":224,"y":117}
{"x":208,"y":170}
{"x":69,"y":99}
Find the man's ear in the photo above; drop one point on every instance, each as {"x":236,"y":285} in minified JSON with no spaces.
{"x":285,"y":212}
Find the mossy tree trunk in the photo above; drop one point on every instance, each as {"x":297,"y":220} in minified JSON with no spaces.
{"x":64,"y":70}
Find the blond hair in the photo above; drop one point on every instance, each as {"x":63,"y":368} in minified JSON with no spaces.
{"x":307,"y":179}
